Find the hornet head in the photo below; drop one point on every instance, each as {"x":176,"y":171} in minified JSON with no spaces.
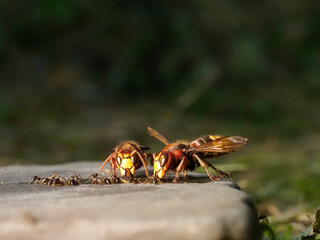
{"x":161,"y":164}
{"x":126,"y":161}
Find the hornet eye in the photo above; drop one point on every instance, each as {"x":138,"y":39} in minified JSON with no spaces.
{"x":163,"y":161}
{"x":119,"y":160}
{"x":133,"y":159}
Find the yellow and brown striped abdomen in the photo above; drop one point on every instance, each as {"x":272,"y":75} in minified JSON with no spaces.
{"x":203,"y":140}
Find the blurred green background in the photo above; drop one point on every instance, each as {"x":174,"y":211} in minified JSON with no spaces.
{"x":78,"y":77}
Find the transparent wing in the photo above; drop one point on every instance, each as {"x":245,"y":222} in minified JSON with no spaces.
{"x":221,"y":145}
{"x":157,"y":135}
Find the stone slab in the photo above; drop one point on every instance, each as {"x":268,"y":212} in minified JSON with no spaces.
{"x":196,"y":209}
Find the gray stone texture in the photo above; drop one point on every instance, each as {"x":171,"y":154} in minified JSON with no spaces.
{"x":196,"y":209}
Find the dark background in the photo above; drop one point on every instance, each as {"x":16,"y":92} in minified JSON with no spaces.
{"x":78,"y":77}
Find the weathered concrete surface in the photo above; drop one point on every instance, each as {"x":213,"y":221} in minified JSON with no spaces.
{"x":206,"y":210}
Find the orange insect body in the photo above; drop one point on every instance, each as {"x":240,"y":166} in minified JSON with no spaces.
{"x":183,"y":156}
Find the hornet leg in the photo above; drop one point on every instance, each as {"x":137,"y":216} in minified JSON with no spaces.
{"x":181,"y":167}
{"x":111,"y":157}
{"x":204,"y":164}
{"x":114,"y":166}
{"x":220,"y":172}
{"x":144,"y":160}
